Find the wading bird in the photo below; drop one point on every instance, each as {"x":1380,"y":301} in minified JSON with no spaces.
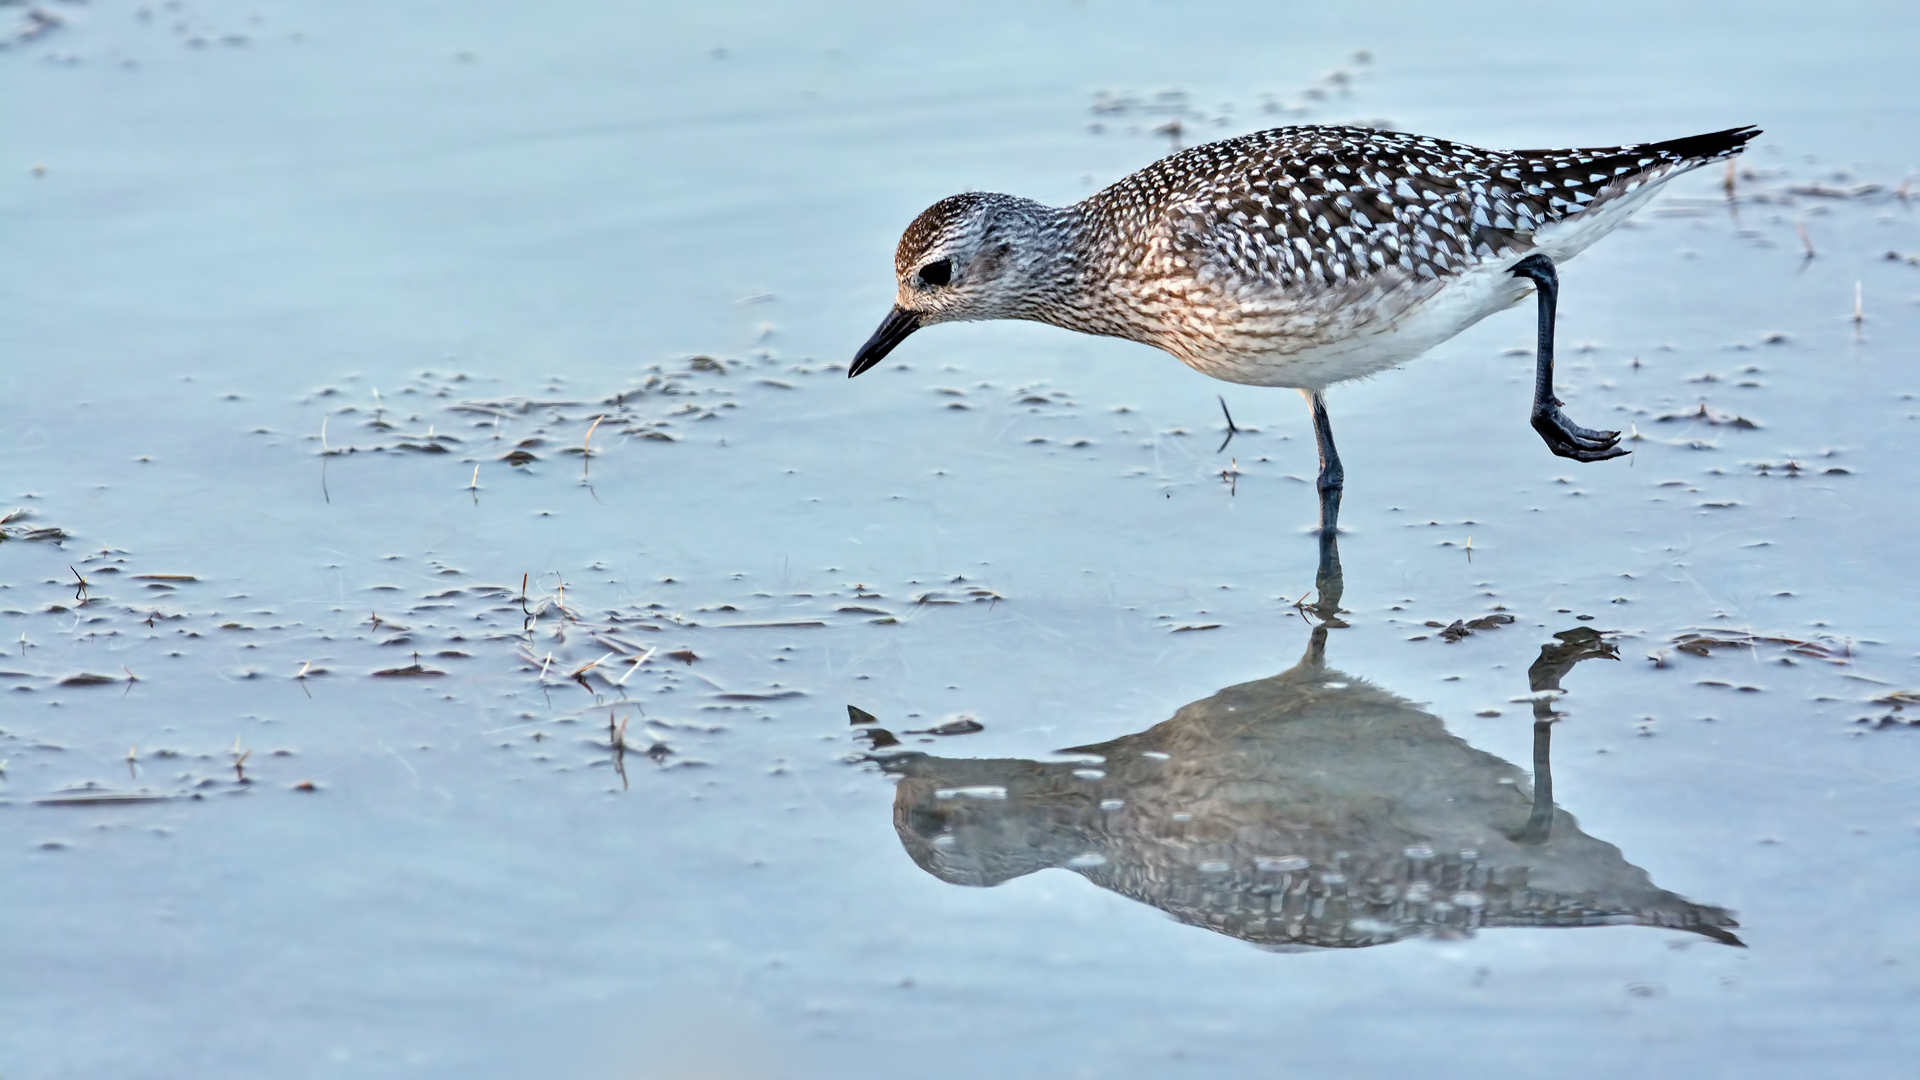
{"x":1298,"y":257}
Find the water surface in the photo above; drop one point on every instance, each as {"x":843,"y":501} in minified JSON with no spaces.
{"x":469,"y":547}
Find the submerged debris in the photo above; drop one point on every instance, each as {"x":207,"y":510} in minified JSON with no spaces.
{"x":1702,"y":644}
{"x":411,"y":671}
{"x":33,"y":24}
{"x":1710,"y":416}
{"x":965,"y":725}
{"x":1462,"y":628}
{"x":1894,"y":703}
{"x":104,"y":798}
{"x":13,"y":527}
{"x":775,"y":694}
{"x":1793,"y":469}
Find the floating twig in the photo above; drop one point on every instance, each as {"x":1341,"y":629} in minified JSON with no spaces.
{"x":637,"y":661}
{"x":579,"y":672}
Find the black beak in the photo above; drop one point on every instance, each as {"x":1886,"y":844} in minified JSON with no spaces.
{"x":893,"y":330}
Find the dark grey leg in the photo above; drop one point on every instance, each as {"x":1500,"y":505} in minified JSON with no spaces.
{"x":1327,"y":582}
{"x":1332,"y":476}
{"x":1563,"y":436}
{"x":1539,"y":824}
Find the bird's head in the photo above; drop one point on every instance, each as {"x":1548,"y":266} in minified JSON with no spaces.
{"x":966,"y":257}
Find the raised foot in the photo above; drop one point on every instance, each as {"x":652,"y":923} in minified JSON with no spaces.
{"x":1570,"y":440}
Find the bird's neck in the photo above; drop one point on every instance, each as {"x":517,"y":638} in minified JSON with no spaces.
{"x":1065,"y":252}
{"x":1041,"y":243}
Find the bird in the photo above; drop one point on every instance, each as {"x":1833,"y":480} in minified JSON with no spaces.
{"x":1310,"y":809}
{"x":1296,"y":257}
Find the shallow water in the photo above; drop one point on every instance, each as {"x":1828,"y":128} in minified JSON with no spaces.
{"x":281,"y":304}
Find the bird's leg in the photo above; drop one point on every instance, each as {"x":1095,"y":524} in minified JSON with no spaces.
{"x":1563,"y":436}
{"x":1328,"y":582}
{"x":1539,"y":826}
{"x":1332,"y":476}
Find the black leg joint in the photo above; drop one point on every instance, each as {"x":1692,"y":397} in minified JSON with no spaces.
{"x":1562,"y":436}
{"x":1539,"y":269}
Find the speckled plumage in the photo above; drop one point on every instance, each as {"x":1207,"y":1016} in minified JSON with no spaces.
{"x":1301,"y":257}
{"x":1298,"y":256}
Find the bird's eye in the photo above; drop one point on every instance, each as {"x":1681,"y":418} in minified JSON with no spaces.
{"x":938,"y":272}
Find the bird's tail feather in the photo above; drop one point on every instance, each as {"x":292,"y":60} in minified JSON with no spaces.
{"x":1709,"y":147}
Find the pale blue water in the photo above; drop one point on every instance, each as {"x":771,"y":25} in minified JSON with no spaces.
{"x":233,"y":243}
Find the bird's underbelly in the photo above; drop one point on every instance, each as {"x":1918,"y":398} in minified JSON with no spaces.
{"x":1361,"y":339}
{"x":1312,"y":348}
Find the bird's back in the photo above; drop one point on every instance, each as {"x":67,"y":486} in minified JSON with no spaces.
{"x":1244,"y":257}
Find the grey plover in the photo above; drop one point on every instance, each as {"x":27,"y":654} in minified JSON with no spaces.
{"x":1298,"y":257}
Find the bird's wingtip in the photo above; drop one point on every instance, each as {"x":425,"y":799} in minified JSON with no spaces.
{"x":1713,"y":144}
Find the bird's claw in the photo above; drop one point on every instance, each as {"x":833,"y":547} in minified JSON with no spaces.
{"x":1569,"y":440}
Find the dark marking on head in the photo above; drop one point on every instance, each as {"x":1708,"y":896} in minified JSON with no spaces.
{"x":933,"y":225}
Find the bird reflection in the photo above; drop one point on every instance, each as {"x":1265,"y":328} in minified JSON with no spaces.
{"x":1309,"y":809}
